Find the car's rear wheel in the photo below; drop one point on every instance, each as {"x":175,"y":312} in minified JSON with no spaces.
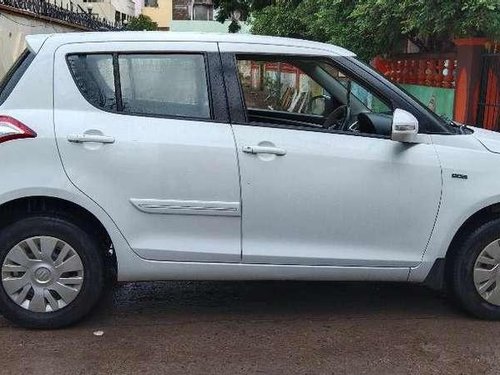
{"x":475,"y":272}
{"x":52,"y":272}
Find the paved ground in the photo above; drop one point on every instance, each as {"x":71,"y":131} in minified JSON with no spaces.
{"x":261,"y":328}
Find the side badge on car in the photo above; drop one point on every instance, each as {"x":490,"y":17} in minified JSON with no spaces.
{"x":460,"y":176}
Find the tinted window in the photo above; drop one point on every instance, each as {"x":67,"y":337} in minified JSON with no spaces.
{"x":310,"y":93}
{"x":174,"y":85}
{"x":93,"y":75}
{"x":159,"y":84}
{"x":10,"y":80}
{"x":279,"y":86}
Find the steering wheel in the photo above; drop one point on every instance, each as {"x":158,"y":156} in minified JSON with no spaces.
{"x":338,"y":119}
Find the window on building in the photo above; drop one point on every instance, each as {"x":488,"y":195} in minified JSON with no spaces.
{"x":202,"y":12}
{"x":181,"y":10}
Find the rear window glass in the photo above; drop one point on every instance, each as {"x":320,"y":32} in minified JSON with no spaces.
{"x":93,"y":74}
{"x":164,"y":85}
{"x":144,"y":84}
{"x":9,"y":81}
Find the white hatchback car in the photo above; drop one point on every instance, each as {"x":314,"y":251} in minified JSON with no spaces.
{"x":164,"y":156}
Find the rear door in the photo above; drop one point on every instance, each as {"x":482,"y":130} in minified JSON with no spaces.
{"x":143,"y":130}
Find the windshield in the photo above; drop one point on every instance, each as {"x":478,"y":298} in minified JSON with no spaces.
{"x":442,"y":121}
{"x":365,"y":99}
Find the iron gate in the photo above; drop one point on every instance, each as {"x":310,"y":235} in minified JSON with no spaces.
{"x":489,"y":94}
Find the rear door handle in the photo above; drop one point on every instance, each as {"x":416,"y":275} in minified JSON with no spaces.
{"x":264,"y":150}
{"x":90,"y":138}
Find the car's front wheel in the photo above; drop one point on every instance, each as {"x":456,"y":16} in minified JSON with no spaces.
{"x":52,"y":272}
{"x":475,"y":272}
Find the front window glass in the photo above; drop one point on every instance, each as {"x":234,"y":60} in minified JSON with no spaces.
{"x":443,"y":122}
{"x":280,"y":86}
{"x":358,"y":92}
{"x":305,"y":92}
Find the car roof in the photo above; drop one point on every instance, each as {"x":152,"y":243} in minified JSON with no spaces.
{"x":35,"y":42}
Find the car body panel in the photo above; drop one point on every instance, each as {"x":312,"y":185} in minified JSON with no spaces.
{"x":488,"y":139}
{"x":336,"y":199}
{"x":56,"y":40}
{"x":458,"y":154}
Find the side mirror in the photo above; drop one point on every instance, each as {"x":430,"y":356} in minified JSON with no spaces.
{"x":404,"y":126}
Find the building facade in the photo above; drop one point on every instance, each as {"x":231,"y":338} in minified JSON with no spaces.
{"x":160,"y":12}
{"x":186,"y":15}
{"x":193,"y":10}
{"x":115,"y":11}
{"x":25,"y":17}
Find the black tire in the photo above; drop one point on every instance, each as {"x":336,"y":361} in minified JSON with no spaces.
{"x":462,"y":271}
{"x":91,"y":256}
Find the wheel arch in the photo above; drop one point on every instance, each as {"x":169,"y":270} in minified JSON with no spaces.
{"x":484,"y":215}
{"x":439,"y":273}
{"x":24,"y":206}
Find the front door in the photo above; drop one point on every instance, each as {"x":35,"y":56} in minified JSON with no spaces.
{"x":142,"y":134}
{"x":323,"y":189}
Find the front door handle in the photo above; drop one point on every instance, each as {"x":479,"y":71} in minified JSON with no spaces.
{"x":96,"y":138}
{"x":264,"y":150}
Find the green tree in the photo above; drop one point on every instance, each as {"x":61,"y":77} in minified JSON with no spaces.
{"x":227,"y":10}
{"x":372,"y":27}
{"x":280,"y":20}
{"x":141,"y":23}
{"x":432,"y":25}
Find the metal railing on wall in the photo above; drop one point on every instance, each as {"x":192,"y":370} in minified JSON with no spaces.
{"x":70,"y":13}
{"x":433,"y":70}
{"x":489,"y":93}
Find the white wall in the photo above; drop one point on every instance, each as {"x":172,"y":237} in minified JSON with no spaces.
{"x":13,"y":29}
{"x":139,"y":4}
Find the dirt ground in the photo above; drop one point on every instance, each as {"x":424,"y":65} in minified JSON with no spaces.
{"x":261,"y":328}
